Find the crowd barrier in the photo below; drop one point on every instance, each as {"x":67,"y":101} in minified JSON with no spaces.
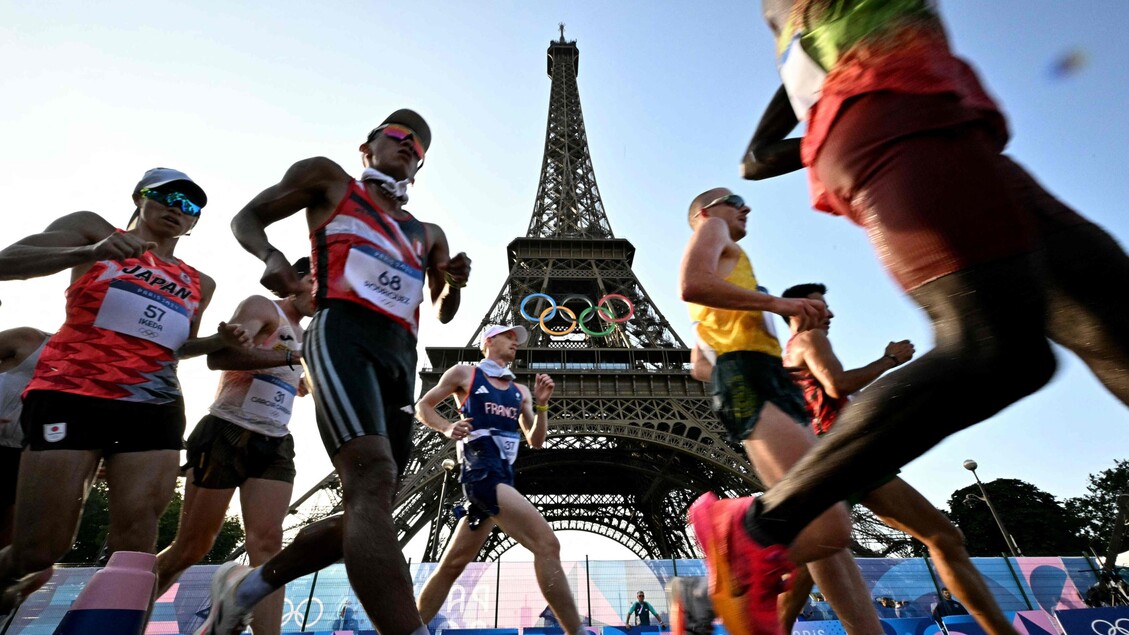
{"x":492,"y":595}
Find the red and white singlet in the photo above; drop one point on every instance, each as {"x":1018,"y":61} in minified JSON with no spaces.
{"x":364,"y":255}
{"x":125,"y":320}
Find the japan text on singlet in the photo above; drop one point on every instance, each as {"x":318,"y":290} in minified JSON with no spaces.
{"x":363,"y":254}
{"x":262,"y":400}
{"x":125,"y":320}
{"x":823,"y":408}
{"x":725,"y":330}
{"x":493,"y":440}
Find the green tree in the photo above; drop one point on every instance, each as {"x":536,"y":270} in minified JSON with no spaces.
{"x":95,"y":525}
{"x":1040,"y":525}
{"x":1098,"y":508}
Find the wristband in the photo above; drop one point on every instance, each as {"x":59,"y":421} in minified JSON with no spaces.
{"x":452,"y":282}
{"x":893,"y":359}
{"x":541,"y":407}
{"x":290,"y":359}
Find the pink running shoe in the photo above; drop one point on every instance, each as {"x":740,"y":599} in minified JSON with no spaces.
{"x":744,"y":577}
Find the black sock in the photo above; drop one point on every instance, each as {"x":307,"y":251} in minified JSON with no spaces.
{"x":755,"y":527}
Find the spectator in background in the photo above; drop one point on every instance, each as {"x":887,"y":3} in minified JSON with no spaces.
{"x":947,"y":606}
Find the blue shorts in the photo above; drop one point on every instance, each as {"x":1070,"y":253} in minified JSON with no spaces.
{"x":743,"y":382}
{"x":481,"y":490}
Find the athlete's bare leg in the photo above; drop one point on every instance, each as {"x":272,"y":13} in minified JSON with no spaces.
{"x":264,"y":504}
{"x":201,"y":518}
{"x":141,"y":486}
{"x":464,"y":548}
{"x":50,"y":494}
{"x":902,"y":507}
{"x":776,"y":444}
{"x":377,"y":570}
{"x":521,"y":520}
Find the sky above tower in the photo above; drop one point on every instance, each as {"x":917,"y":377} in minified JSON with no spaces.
{"x":233,"y":94}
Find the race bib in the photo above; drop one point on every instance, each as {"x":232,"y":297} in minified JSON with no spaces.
{"x":270,"y":398}
{"x":133,"y":310}
{"x":394,"y":286}
{"x":803,"y":78}
{"x":507,"y":443}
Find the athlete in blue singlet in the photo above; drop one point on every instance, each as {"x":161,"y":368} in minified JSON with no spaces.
{"x":497,"y":411}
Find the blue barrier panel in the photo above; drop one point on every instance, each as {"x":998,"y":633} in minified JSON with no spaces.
{"x":542,"y":630}
{"x":906,"y":625}
{"x":1091,"y":621}
{"x":962,"y":625}
{"x":818,"y":627}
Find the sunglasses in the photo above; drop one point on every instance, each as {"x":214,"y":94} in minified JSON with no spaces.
{"x":178,"y":200}
{"x":732,"y":200}
{"x":399,"y":133}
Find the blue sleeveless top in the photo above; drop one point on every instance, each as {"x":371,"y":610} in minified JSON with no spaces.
{"x":491,"y":447}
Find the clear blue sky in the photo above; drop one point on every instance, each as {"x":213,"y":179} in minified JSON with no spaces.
{"x":95,"y":93}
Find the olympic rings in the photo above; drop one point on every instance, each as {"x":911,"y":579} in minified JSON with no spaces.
{"x":601,"y":309}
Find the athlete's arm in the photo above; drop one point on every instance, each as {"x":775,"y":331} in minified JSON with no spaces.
{"x":821,"y":360}
{"x":259,"y":318}
{"x":446,"y":276}
{"x":535,"y":410}
{"x":304,"y":185}
{"x":16,"y":344}
{"x":770,"y":153}
{"x":455,"y":381}
{"x":81,"y":238}
{"x":226,"y":335}
{"x":700,"y":281}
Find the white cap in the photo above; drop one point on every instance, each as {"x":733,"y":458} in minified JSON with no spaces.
{"x":494,"y":329}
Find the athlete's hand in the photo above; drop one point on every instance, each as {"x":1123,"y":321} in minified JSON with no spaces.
{"x":234,"y":335}
{"x":901,"y":351}
{"x":457,"y":270}
{"x":303,"y":387}
{"x":280,"y":277}
{"x":460,"y":430}
{"x":811,"y":313}
{"x":542,"y":389}
{"x":119,"y":246}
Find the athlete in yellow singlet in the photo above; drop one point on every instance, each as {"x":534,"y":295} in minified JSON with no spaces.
{"x":758,"y":403}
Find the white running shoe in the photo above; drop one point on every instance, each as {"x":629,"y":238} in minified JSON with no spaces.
{"x":225,"y":616}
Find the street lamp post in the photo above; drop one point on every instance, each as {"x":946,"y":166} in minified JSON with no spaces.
{"x":971,"y":466}
{"x":433,"y":535}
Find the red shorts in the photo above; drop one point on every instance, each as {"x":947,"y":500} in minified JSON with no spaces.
{"x":926,"y":181}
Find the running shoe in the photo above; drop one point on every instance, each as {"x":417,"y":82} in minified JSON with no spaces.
{"x":744,"y":576}
{"x":691,"y":612}
{"x":226,"y":617}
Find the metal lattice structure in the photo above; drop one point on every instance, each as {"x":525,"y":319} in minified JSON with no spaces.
{"x":632,"y":440}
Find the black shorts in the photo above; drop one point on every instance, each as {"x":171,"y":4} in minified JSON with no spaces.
{"x":9,"y":471}
{"x":362,"y":373}
{"x":222,"y":455}
{"x":743,"y":382}
{"x":54,"y":420}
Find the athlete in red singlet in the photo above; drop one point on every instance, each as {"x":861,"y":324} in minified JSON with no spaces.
{"x":373,"y":263}
{"x":105,"y":387}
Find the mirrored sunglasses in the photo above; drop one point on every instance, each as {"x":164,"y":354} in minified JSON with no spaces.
{"x":178,"y":200}
{"x":399,"y":133}
{"x":732,"y":200}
